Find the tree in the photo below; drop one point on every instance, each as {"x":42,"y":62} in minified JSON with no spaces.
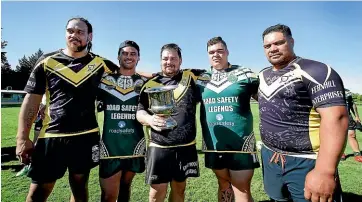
{"x":7,"y":73}
{"x":5,"y":66}
{"x":26,"y":64}
{"x":24,"y":68}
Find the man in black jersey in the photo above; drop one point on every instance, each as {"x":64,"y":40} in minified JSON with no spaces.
{"x":69,"y":137}
{"x":352,"y":126}
{"x":171,"y":155}
{"x":303,"y":123}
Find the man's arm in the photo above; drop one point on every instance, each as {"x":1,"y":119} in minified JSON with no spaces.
{"x":27,"y":115}
{"x":35,"y":89}
{"x":330,"y":103}
{"x":147,"y":75}
{"x":333,"y":130}
{"x":354,"y":106}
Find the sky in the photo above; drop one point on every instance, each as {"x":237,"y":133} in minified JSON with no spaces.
{"x":329,"y":32}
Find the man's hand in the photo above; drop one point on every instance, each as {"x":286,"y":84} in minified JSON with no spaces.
{"x":319,"y":186}
{"x":357,"y":119}
{"x":156,"y":122}
{"x":24,"y":150}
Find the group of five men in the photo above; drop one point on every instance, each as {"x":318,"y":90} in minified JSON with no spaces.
{"x":303,"y":122}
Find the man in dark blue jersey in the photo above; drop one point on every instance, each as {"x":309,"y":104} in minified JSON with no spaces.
{"x":352,"y":126}
{"x":303,"y":125}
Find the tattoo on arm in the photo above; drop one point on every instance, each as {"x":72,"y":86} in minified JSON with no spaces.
{"x":30,"y":116}
{"x":227,"y":195}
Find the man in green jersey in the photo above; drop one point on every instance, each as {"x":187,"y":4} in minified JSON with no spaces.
{"x":227,"y":122}
{"x":122,"y":146}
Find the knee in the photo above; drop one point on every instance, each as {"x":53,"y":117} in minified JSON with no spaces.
{"x":224,"y":183}
{"x":179,"y":189}
{"x":109,"y":196}
{"x":352,"y":135}
{"x":158,"y":190}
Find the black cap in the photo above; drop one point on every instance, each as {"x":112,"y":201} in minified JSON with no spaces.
{"x":129,"y":43}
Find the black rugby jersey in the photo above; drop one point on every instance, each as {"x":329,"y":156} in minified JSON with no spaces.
{"x":70,"y":85}
{"x":288,"y":98}
{"x":186,"y":96}
{"x":349,"y":102}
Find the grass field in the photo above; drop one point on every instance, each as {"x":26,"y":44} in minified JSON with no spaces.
{"x":203,"y":189}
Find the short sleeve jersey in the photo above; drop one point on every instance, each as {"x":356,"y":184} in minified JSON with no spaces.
{"x":70,"y":86}
{"x":122,"y":134}
{"x":288,"y":99}
{"x":225,"y":114}
{"x":186,"y":97}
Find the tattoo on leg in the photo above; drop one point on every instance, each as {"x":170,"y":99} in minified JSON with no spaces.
{"x":227,"y":195}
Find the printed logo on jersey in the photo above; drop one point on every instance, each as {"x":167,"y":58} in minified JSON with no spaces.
{"x":222,"y":80}
{"x":232,"y":78}
{"x":125,"y":82}
{"x":72,"y":77}
{"x":219,"y":117}
{"x":123,"y":88}
{"x":121,"y":124}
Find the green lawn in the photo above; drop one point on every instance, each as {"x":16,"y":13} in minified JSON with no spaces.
{"x":200,"y":189}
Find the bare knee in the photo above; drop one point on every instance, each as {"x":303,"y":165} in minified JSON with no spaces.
{"x":178,"y":187}
{"x":223,"y":178}
{"x":352,"y":134}
{"x":241,"y":180}
{"x":79,"y":186}
{"x":158,"y":192}
{"x":39,"y":192}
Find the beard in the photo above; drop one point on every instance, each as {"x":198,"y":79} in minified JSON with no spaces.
{"x":77,"y":49}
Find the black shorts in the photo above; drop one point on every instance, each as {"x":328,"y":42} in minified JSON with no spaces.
{"x":231,"y":161}
{"x":52,"y":157}
{"x":109,"y":167}
{"x":167,"y":164}
{"x":352,"y":124}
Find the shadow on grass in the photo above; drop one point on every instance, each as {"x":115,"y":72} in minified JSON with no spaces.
{"x":347,"y":196}
{"x":8,"y":154}
{"x":16,"y":168}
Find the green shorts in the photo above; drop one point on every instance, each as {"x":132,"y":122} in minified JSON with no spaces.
{"x":109,"y":167}
{"x":231,"y":161}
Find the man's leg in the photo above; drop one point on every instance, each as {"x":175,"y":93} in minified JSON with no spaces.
{"x":272,"y":177}
{"x":177,"y":191}
{"x":158,"y":192}
{"x":225,"y":191}
{"x":110,"y":187}
{"x":159,"y":171}
{"x":241,"y":167}
{"x":133,"y":166}
{"x":125,"y":186}
{"x":47,"y":156}
{"x":79,"y":187}
{"x":82,"y":155}
{"x":241,"y":180}
{"x":218,"y":163}
{"x":354,"y":145}
{"x":39,"y":192}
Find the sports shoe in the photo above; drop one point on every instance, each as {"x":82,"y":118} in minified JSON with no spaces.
{"x":358,"y":159}
{"x":23,"y":171}
{"x":343,"y":157}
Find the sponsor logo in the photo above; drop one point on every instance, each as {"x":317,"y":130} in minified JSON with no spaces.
{"x":219,"y":117}
{"x":121,"y":124}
